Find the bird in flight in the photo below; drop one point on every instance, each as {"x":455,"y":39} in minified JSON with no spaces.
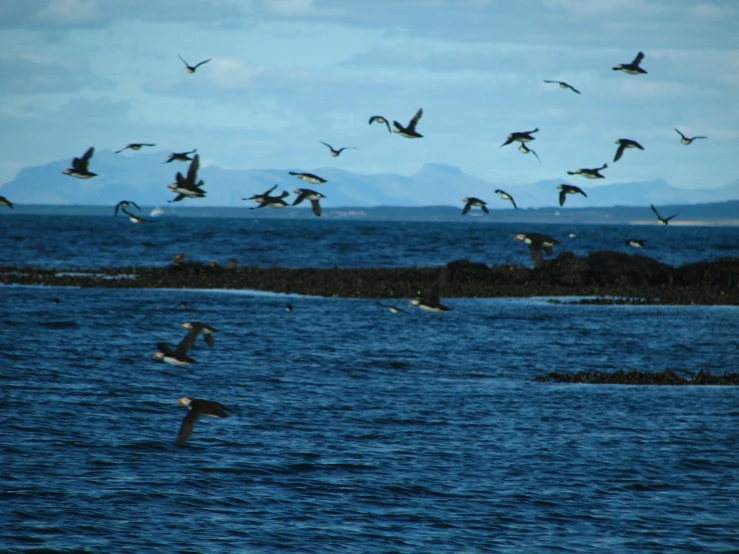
{"x":687,"y":140}
{"x":623,"y":144}
{"x":134,"y":146}
{"x":505,"y":196}
{"x":379,"y":119}
{"x":197,"y":409}
{"x":79,"y":166}
{"x":192,"y":68}
{"x":633,"y":67}
{"x":662,"y":220}
{"x":334,"y":151}
{"x":564,"y":85}
{"x":410,"y":130}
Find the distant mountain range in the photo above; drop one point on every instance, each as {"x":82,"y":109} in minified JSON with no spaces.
{"x":142,"y":177}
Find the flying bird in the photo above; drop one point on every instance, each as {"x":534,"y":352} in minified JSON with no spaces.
{"x":687,"y":140}
{"x":564,"y":85}
{"x":192,"y":68}
{"x":623,"y":144}
{"x":381,"y":120}
{"x":334,"y":152}
{"x":410,"y":130}
{"x":505,"y":196}
{"x":134,"y":146}
{"x":313,"y":196}
{"x":568,"y":189}
{"x":633,"y":67}
{"x":188,"y":187}
{"x":273,"y":201}
{"x":177,"y":356}
{"x":79,"y":166}
{"x":260,"y":197}
{"x":537,"y":242}
{"x":663,"y":221}
{"x":197,"y":408}
{"x":522,"y":136}
{"x":589,"y":173}
{"x":469,"y":202}
{"x":308,"y":178}
{"x":526,"y":150}
{"x":202,"y":329}
{"x":125,"y":204}
{"x":181,"y":156}
{"x":133,"y":218}
{"x":5,"y":202}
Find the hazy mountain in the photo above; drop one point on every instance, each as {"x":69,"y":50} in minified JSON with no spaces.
{"x":142,"y":177}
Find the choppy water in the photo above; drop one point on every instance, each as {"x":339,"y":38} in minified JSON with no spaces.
{"x":355,"y":430}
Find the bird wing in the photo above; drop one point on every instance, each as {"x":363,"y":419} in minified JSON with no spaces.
{"x":512,"y":201}
{"x":300,"y":198}
{"x":638,"y":59}
{"x":80,"y":164}
{"x":412,"y":124}
{"x":192,"y":171}
{"x":209,"y":340}
{"x":536,"y":257}
{"x":134,"y":205}
{"x":121,"y":150}
{"x":325,"y":143}
{"x":467,"y":208}
{"x":270,"y":190}
{"x":484,"y":208}
{"x":581,"y":192}
{"x":620,"y":151}
{"x":316,"y":207}
{"x":201,"y":63}
{"x":534,"y":153}
{"x":674,"y":215}
{"x":186,"y":427}
{"x":187,"y":342}
{"x":183,"y":60}
{"x":679,"y":133}
{"x":573,"y":89}
{"x":117,"y":206}
{"x":562,"y":197}
{"x":655,"y":211}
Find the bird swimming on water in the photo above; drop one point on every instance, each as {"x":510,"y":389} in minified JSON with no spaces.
{"x":662,"y":220}
{"x":197,"y":408}
{"x":410,"y":130}
{"x":564,"y":85}
{"x":505,"y":196}
{"x":191,"y":68}
{"x":134,"y":146}
{"x":79,"y":166}
{"x":589,"y":173}
{"x":379,"y":119}
{"x":334,"y":152}
{"x":687,"y":140}
{"x":636,"y":243}
{"x":623,"y":144}
{"x":568,"y":189}
{"x":632,"y":68}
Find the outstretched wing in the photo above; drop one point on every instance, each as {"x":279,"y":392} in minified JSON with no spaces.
{"x":467,"y":208}
{"x":192,"y":171}
{"x":187,"y":342}
{"x":414,"y":121}
{"x":573,"y":89}
{"x":316,"y":207}
{"x":562,"y":197}
{"x":80,"y":164}
{"x":655,"y":211}
{"x":638,"y":59}
{"x":201,"y":63}
{"x":186,"y":427}
{"x":620,"y":151}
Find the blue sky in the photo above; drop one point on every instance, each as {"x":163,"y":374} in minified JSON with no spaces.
{"x":286,"y":74}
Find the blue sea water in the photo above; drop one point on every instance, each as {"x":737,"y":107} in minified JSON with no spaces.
{"x":354,"y":429}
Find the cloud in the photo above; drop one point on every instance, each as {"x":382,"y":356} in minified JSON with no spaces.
{"x":33,"y":73}
{"x":69,"y":12}
{"x":289,"y":8}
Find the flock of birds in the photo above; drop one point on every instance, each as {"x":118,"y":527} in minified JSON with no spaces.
{"x":188,"y":186}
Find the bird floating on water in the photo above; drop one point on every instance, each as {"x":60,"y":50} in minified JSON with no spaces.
{"x":392,"y":309}
{"x":636,"y":243}
{"x":198,"y":408}
{"x":410,"y":130}
{"x":79,"y":166}
{"x":623,"y":144}
{"x":191,"y":68}
{"x":564,"y":85}
{"x":632,"y":68}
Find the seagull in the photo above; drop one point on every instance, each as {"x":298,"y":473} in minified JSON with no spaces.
{"x":313,"y":196}
{"x":181,"y":156}
{"x":623,"y":144}
{"x":686,"y":140}
{"x":5,"y":202}
{"x":469,"y":202}
{"x":273,"y":201}
{"x":523,"y":136}
{"x":633,"y":67}
{"x":410,"y":131}
{"x":125,"y":204}
{"x":663,"y":221}
{"x":192,"y":68}
{"x":589,"y":173}
{"x":260,"y":197}
{"x":179,"y":355}
{"x":568,"y":189}
{"x":380,"y":119}
{"x":201,"y":328}
{"x":134,"y":146}
{"x":198,"y":408}
{"x":391,"y":309}
{"x":505,"y":196}
{"x":537,"y":242}
{"x":564,"y":85}
{"x":525,"y":149}
{"x":334,"y":152}
{"x":636,"y":243}
{"x":79,"y":166}
{"x":308,"y":178}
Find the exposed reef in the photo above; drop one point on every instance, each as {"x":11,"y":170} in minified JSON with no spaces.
{"x":634,"y":377}
{"x":602,"y":277}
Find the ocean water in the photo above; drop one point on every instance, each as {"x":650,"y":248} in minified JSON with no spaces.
{"x":354,"y":429}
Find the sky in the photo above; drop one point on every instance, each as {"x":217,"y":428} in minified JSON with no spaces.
{"x":286,"y":74}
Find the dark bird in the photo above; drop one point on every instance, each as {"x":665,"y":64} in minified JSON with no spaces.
{"x":79,"y":166}
{"x":125,"y":204}
{"x":260,"y":197}
{"x":334,"y":152}
{"x":687,"y":140}
{"x":391,"y":309}
{"x":525,"y":149}
{"x":663,"y":221}
{"x":410,"y":131}
{"x":537,"y":242}
{"x":469,"y":202}
{"x":633,"y":67}
{"x":505,"y":196}
{"x":308,"y":178}
{"x":188,"y":187}
{"x":133,"y":218}
{"x":313,"y":196}
{"x":564,"y":190}
{"x":178,"y":356}
{"x":192,"y":68}
{"x":134,"y":146}
{"x":381,"y":120}
{"x":198,"y":408}
{"x":522,"y":136}
{"x":636,"y":243}
{"x":623,"y":144}
{"x":201,"y":328}
{"x":589,"y":173}
{"x":289,"y":307}
{"x":430,"y":302}
{"x":273,"y":201}
{"x":564,"y":85}
{"x":181,"y":156}
{"x":5,"y":202}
